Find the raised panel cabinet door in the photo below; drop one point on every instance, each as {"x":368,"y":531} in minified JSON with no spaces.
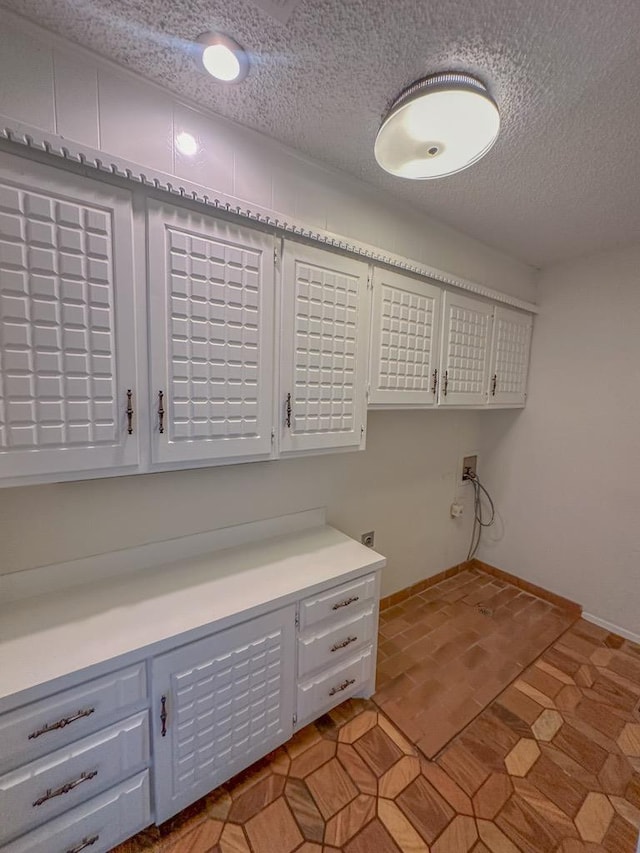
{"x":404,"y":341}
{"x":466,"y":343}
{"x":219,"y":704}
{"x":67,"y":323}
{"x":324,"y":343}
{"x":211,"y":298}
{"x":509,"y":357}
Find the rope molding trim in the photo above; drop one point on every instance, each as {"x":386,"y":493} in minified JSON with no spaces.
{"x":57,"y":147}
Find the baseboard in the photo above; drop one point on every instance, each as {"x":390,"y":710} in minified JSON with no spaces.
{"x":611,"y":628}
{"x":526,"y":586}
{"x":564,"y":603}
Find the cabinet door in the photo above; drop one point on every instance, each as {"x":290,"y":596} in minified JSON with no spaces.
{"x":509,"y":357}
{"x":211,"y":295}
{"x":325,"y":325}
{"x":404,"y":341}
{"x":466,"y":340}
{"x":228,"y":700}
{"x":67,"y":323}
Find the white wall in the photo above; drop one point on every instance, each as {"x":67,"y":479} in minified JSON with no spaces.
{"x":401,"y":487}
{"x":565,"y":471}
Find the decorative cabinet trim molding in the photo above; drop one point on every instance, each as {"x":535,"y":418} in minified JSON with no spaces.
{"x":36,"y":140}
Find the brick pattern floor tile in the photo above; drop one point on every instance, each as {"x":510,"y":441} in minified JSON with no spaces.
{"x":538,"y":770}
{"x":447,"y":652}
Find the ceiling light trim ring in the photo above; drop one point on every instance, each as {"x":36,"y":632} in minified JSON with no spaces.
{"x":216,"y":39}
{"x":78,"y":155}
{"x":442,"y":80}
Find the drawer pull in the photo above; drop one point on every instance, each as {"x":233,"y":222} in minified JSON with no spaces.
{"x":66,"y":788}
{"x":346,"y":602}
{"x":347,"y":683}
{"x":347,"y":642}
{"x":86,"y":842}
{"x":62,"y":723}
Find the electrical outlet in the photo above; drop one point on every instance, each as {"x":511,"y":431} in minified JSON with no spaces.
{"x":469,"y":466}
{"x":367,"y":538}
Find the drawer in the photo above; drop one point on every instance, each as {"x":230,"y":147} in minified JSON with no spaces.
{"x":57,"y":782}
{"x":329,"y":688}
{"x":41,"y":727}
{"x":96,"y":826}
{"x":328,"y":645}
{"x":337,"y":602}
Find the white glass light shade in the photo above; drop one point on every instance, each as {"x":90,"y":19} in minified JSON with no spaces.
{"x":438,"y":126}
{"x":223,"y":58}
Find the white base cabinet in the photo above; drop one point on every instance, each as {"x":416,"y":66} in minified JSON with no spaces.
{"x":109,"y":747}
{"x":219,"y":705}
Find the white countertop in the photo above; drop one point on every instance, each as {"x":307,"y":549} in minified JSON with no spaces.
{"x":50,"y":635}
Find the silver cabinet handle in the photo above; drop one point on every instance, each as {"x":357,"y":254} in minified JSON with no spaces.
{"x":346,"y":602}
{"x":62,"y":723}
{"x":65,"y":789}
{"x":343,"y":686}
{"x":86,"y":842}
{"x":160,"y":411}
{"x":129,"y":412}
{"x":343,"y":644}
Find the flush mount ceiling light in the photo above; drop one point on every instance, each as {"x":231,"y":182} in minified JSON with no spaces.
{"x":223,"y":58}
{"x":437,"y":126}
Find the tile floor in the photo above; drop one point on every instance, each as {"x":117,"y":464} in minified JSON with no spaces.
{"x":552,"y":765}
{"x":441,"y":661}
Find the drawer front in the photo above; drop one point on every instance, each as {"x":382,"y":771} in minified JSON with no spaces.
{"x":329,"y":688}
{"x":51,"y":785}
{"x":337,"y":602}
{"x":41,"y":727}
{"x":329,"y":645}
{"x":99,"y":824}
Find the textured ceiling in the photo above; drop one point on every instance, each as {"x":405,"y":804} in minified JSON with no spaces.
{"x":563,"y":178}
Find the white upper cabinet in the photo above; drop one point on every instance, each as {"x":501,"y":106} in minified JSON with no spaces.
{"x":324,"y":335}
{"x":509,"y":357}
{"x":404,"y":341}
{"x":211,"y":302}
{"x":466,"y":349}
{"x":67,"y":323}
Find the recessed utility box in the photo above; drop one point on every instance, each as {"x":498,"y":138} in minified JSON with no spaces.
{"x":469,"y":467}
